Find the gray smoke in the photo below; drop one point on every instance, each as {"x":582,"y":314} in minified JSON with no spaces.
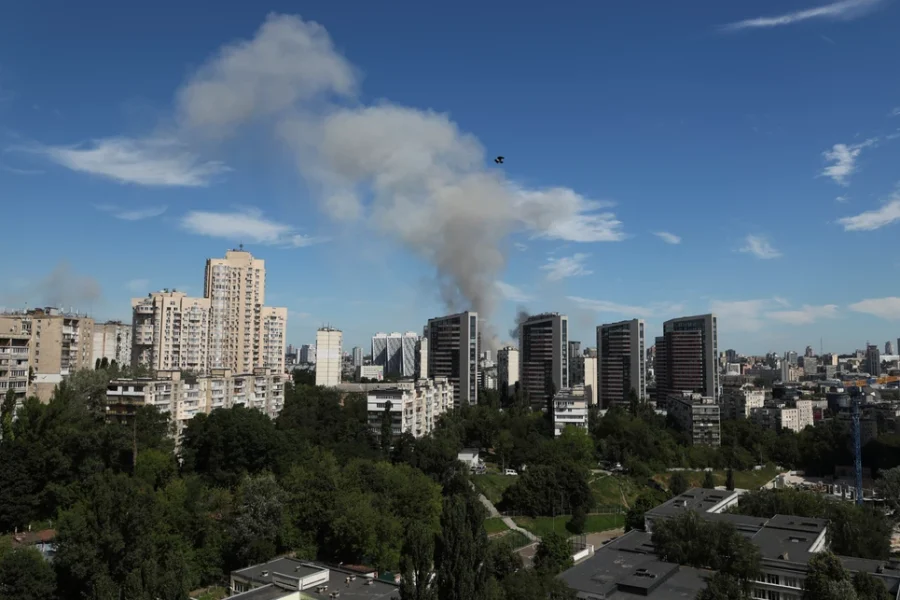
{"x":61,"y":288}
{"x":522,"y":315}
{"x":410,"y":173}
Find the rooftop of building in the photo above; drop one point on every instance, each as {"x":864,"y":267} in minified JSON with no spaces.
{"x":628,"y":568}
{"x":352,"y":583}
{"x":47,"y":311}
{"x":285,"y":565}
{"x":698,"y":499}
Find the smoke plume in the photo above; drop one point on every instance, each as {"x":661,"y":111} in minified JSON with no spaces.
{"x":61,"y":288}
{"x":521,"y":316}
{"x":411,"y":174}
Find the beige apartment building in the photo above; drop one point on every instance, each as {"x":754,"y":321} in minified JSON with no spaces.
{"x":329,"y":356}
{"x":244,"y":333}
{"x":15,"y":357}
{"x":184,"y":397}
{"x":60,"y":343}
{"x":112,"y":341}
{"x":170,"y":330}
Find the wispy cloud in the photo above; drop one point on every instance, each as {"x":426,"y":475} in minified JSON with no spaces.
{"x":885,"y":308}
{"x":513,"y":293}
{"x":806,"y":314}
{"x":843,"y":159}
{"x":895,"y":112}
{"x":827,"y":39}
{"x":842,"y":199}
{"x":753,"y":315}
{"x":18,"y":171}
{"x":566,"y":266}
{"x":138,"y":286}
{"x":520,"y":246}
{"x":845,"y":9}
{"x":669,"y":238}
{"x":759,"y":247}
{"x":628,"y":310}
{"x":159,"y":162}
{"x":247,"y":225}
{"x":563,"y":214}
{"x":874,"y":219}
{"x":131,"y":214}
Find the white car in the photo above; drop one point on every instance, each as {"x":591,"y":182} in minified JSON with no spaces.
{"x":510,"y":472}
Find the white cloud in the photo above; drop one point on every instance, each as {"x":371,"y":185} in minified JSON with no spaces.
{"x":160,"y":162}
{"x":246,"y":225}
{"x":845,"y":9}
{"x":566,"y":266}
{"x":18,"y":171}
{"x":669,"y":238}
{"x":631,"y":311}
{"x":753,"y":315}
{"x":874,"y":219}
{"x":844,"y":158}
{"x":895,"y":112}
{"x":885,"y":308}
{"x":759,"y":247}
{"x":842,"y":199}
{"x":563,"y":214}
{"x":513,"y":293}
{"x":131,"y":214}
{"x":805,"y":315}
{"x":138,"y":286}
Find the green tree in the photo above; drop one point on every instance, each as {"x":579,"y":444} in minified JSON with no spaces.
{"x":649,"y":499}
{"x":416,"y":563}
{"x":387,"y":429}
{"x":104,"y":363}
{"x":554,"y":555}
{"x":827,"y":579}
{"x":678,"y":483}
{"x":531,"y":584}
{"x":888,"y":487}
{"x":708,"y":481}
{"x":7,"y":412}
{"x":461,"y":549}
{"x":723,"y":587}
{"x":578,"y":522}
{"x":869,"y":587}
{"x":25,"y":575}
{"x":729,"y":479}
{"x":258,"y":519}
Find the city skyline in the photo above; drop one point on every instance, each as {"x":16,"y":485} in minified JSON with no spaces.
{"x":621,"y":196}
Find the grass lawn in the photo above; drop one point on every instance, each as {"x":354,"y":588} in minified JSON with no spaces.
{"x":609,"y":489}
{"x":748,"y":480}
{"x":494,"y":525}
{"x":212,"y":593}
{"x":541,"y":526}
{"x":514,"y":539}
{"x":492,"y":485}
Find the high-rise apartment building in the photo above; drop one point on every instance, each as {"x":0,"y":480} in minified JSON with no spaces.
{"x":15,"y":356}
{"x":544,"y":357}
{"x":590,"y":379}
{"x":422,"y":358}
{"x":112,"y":341}
{"x":329,"y":356}
{"x":621,"y":366}
{"x":888,"y":347}
{"x":507,"y":368}
{"x":243,"y":332}
{"x":453,"y":348}
{"x":357,"y":356}
{"x":396,"y":353}
{"x":170,"y":331}
{"x":60,"y":343}
{"x":307,"y":354}
{"x":686,"y":358}
{"x":873,"y":360}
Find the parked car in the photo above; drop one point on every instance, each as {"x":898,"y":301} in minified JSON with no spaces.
{"x":510,"y":472}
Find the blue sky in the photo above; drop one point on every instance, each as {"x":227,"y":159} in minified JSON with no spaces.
{"x":661,"y":159}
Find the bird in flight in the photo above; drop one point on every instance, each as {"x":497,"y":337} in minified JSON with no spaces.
{"x":499,"y":160}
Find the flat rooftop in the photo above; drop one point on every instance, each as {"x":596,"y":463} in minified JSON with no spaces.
{"x":627,"y":568}
{"x":700,"y":500}
{"x":360,"y":588}
{"x":263,"y":572}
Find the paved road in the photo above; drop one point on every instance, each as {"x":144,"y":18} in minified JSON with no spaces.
{"x":492,"y":511}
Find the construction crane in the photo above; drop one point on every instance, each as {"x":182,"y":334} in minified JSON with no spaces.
{"x":883,"y":380}
{"x":857,"y":450}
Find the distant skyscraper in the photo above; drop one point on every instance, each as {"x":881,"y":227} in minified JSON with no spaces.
{"x":809,"y":352}
{"x":888,"y":347}
{"x":544,"y":356}
{"x":731,"y":356}
{"x":873,"y":360}
{"x":422,"y":358}
{"x":329,"y":356}
{"x":396,"y":353}
{"x":308,"y":354}
{"x":357,"y":356}
{"x":507,"y":368}
{"x":621,"y":365}
{"x":453,"y":353}
{"x":686,"y":357}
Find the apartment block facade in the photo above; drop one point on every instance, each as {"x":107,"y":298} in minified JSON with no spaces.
{"x":183,"y":398}
{"x":453,"y":350}
{"x":396,"y":353}
{"x":329,"y":356}
{"x":544,"y":356}
{"x":15,"y":357}
{"x":698,"y":415}
{"x":170,"y":330}
{"x":112,"y":341}
{"x":621,"y":362}
{"x":414,"y":407}
{"x":60,"y":344}
{"x":686,"y":358}
{"x":570,"y":409}
{"x":507,"y":368}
